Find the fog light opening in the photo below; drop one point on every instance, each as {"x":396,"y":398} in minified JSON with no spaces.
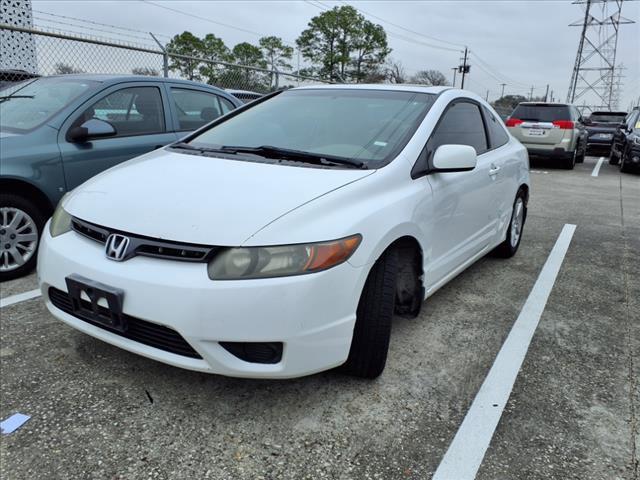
{"x":255,"y":352}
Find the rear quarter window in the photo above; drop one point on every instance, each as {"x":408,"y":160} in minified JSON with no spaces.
{"x":497,"y":134}
{"x":541,"y":113}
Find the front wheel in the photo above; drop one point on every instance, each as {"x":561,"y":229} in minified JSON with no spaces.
{"x":21,"y":225}
{"x":371,"y":334}
{"x":613,"y":159}
{"x":624,"y":165}
{"x":509,"y":247}
{"x":580,"y":157}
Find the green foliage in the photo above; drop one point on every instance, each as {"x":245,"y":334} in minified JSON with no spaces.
{"x":508,"y":102}
{"x":342,"y":45}
{"x":186,"y":44}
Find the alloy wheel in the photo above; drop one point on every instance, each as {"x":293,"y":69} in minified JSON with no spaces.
{"x":18,"y":238}
{"x":517,"y":220}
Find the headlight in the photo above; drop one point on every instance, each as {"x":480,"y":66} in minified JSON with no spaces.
{"x":281,"y":261}
{"x":60,"y":222}
{"x":636,"y":140}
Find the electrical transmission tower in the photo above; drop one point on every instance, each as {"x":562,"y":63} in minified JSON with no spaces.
{"x":595,"y":81}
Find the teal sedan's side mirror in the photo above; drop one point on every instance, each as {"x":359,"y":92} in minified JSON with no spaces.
{"x":93,"y":128}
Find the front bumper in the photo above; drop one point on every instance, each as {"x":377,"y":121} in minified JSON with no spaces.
{"x":313,"y":315}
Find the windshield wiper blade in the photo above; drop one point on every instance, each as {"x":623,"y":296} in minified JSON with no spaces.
{"x":269,"y":151}
{"x":188,"y":146}
{"x":7,"y":97}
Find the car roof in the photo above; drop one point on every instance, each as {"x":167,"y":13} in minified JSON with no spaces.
{"x":608,"y":113}
{"x":111,"y":78}
{"x":377,"y":86}
{"x":544,"y":104}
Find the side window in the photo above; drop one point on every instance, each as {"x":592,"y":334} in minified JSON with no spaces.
{"x":227,"y":106}
{"x":461,"y":124}
{"x":195,"y":108}
{"x":132,"y":111}
{"x":497,"y":134}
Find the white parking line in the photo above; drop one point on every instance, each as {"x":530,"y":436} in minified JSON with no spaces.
{"x":465,"y":454}
{"x":20,"y":297}
{"x":596,"y":169}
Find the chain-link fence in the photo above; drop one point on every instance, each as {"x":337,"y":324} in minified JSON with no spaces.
{"x":28,"y":52}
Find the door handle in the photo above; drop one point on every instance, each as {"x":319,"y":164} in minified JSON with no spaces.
{"x":494,"y":170}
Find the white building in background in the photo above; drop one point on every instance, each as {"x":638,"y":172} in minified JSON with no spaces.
{"x":17,"y":50}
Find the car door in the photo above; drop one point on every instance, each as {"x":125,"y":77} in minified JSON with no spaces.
{"x":505,"y":164}
{"x":463,"y":204}
{"x":193,"y":108}
{"x":139,"y":113}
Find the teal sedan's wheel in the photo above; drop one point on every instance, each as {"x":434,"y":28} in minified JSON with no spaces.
{"x":20,"y":228}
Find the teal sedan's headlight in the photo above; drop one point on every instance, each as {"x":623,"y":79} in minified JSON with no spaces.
{"x":60,"y":222}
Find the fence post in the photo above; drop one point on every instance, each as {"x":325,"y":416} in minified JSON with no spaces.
{"x":165,"y":56}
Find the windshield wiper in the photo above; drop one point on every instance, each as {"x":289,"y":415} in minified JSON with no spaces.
{"x":269,"y":151}
{"x":7,"y":97}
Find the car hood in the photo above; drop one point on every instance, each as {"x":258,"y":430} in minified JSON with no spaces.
{"x":204,"y":200}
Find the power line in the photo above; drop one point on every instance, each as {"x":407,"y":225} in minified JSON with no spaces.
{"x":459,"y":45}
{"x":399,"y":36}
{"x":204,"y":19}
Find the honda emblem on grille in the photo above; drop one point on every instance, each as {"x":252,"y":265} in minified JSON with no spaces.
{"x":116,"y":247}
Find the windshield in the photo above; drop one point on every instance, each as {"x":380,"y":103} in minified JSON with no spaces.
{"x":541,"y":113}
{"x":366,"y":125}
{"x":607,"y":117}
{"x":28,"y":104}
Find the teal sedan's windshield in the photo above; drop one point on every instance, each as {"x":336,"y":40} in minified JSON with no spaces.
{"x":29,"y":104}
{"x":366,"y":125}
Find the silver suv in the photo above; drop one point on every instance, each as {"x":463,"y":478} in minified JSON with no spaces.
{"x":550,"y":130}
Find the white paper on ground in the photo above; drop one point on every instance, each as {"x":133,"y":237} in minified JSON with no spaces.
{"x":13,"y":423}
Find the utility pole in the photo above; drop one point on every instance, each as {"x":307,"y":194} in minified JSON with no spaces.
{"x":455,"y":69}
{"x":464,"y":68}
{"x":551,"y":96}
{"x":546,"y":94}
{"x":502,"y":93}
{"x":531,"y":93}
{"x":487,"y":96}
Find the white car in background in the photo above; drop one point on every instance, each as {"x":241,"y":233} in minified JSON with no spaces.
{"x":279,"y":240}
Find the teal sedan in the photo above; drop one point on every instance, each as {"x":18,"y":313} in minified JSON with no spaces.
{"x":56,"y":132}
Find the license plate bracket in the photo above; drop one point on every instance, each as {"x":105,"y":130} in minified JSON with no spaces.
{"x":90,"y":310}
{"x":536,"y":132}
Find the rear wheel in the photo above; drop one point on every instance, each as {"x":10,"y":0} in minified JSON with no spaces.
{"x":624,"y":164}
{"x":570,"y":160}
{"x":21,"y":225}
{"x":509,"y":247}
{"x":371,"y":334}
{"x":613,"y":159}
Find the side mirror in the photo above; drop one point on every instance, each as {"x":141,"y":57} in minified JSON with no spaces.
{"x":93,"y":128}
{"x":454,"y":158}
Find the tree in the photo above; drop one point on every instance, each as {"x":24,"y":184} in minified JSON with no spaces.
{"x":505,"y":105}
{"x":276,"y":54}
{"x":189,"y":45}
{"x":64,"y":69}
{"x":214,"y":50}
{"x":341,"y":44}
{"x":246,"y":54}
{"x":394,"y":72}
{"x":430,"y":77}
{"x":150,"y":72}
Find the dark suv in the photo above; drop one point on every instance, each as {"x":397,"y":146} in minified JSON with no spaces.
{"x":601,"y":127}
{"x":626,"y":143}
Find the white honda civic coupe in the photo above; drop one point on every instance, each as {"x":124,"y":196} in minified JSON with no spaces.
{"x":279,"y":240}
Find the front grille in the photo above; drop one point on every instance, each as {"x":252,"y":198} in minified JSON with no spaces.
{"x":149,"y":247}
{"x":152,"y":334}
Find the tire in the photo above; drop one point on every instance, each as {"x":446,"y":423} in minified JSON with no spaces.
{"x":624,"y":167}
{"x":20,"y":258}
{"x":372,"y":331}
{"x":509,"y":247}
{"x":570,"y":161}
{"x":613,"y":160}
